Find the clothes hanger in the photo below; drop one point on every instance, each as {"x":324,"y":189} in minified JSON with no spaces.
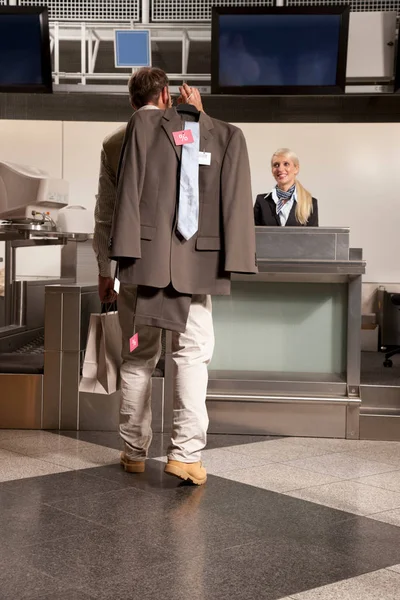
{"x":188,"y":109}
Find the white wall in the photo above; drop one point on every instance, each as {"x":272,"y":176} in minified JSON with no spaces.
{"x":36,"y":143}
{"x":353,"y":170}
{"x":81,"y":160}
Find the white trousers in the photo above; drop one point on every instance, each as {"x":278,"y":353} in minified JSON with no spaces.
{"x":191,"y":353}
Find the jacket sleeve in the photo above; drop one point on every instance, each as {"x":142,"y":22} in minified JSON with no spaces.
{"x":103,"y":214}
{"x":313,"y":220}
{"x":237,"y":208}
{"x":125,"y":233}
{"x":258,"y":220}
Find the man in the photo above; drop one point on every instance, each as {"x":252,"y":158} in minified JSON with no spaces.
{"x":192,"y":349}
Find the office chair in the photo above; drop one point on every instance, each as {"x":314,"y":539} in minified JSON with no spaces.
{"x":395,"y":300}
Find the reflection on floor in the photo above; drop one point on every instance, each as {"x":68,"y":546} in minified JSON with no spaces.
{"x":307,"y":519}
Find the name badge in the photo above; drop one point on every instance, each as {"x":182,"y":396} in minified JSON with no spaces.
{"x":205,"y":158}
{"x":183,"y":137}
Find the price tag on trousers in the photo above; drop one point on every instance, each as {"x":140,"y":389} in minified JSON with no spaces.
{"x":183,"y":137}
{"x":133,"y":342}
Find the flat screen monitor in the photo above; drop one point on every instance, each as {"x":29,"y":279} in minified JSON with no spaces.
{"x":397,"y":71}
{"x":280,"y":50}
{"x":25,"y":64}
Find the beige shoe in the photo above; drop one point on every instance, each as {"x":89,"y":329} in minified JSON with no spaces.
{"x":132,"y":466}
{"x":194,"y":472}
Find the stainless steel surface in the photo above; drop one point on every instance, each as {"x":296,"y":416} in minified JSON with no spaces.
{"x":20,"y":303}
{"x":70,"y":377}
{"x":99,"y":412}
{"x":9,"y":277}
{"x":52,"y":389}
{"x":303,"y":384}
{"x":380,"y":400}
{"x":78,"y":262}
{"x":21,"y":401}
{"x":353,"y":420}
{"x":258,"y":398}
{"x":27,"y":225}
{"x":302,"y":244}
{"x":311,"y":420}
{"x":17,"y":337}
{"x":68,"y":309}
{"x":354,"y":333}
{"x":293,"y":403}
{"x":380,"y":427}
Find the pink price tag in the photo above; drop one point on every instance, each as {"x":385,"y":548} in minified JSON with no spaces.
{"x":183,"y":137}
{"x":133,"y":342}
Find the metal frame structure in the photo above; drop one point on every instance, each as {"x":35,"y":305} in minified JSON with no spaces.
{"x":176,"y":26}
{"x":292,"y":403}
{"x":90,"y":35}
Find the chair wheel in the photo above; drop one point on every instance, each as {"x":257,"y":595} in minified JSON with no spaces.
{"x":388,"y":363}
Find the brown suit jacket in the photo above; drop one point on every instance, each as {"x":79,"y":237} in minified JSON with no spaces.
{"x":144,"y":238}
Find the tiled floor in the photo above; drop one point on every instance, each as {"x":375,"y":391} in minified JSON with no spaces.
{"x":293,"y":518}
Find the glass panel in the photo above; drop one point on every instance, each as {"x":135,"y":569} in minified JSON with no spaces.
{"x":281,"y":328}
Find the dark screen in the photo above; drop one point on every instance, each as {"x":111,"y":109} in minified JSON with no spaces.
{"x":278,"y":50}
{"x":20,"y":50}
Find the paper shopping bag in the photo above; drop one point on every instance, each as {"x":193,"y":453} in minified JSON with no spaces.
{"x":100,"y":373}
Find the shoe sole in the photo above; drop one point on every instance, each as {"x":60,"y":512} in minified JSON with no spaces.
{"x":129,"y":468}
{"x":182,"y":474}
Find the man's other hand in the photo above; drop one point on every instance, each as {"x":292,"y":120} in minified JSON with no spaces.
{"x":106,"y":290}
{"x":190,"y":95}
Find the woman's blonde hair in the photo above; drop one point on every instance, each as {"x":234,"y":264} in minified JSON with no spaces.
{"x":304,"y":205}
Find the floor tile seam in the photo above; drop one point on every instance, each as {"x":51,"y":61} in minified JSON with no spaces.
{"x":338,"y":479}
{"x":357,"y":479}
{"x":350,"y":454}
{"x":36,"y":456}
{"x":77,"y":516}
{"x":343,"y":479}
{"x":323,"y":452}
{"x":356,"y":514}
{"x":93,"y":495}
{"x":311,"y":487}
{"x":379,"y":461}
{"x":382,"y":512}
{"x":75,"y":443}
{"x":18,"y":454}
{"x":392,"y":570}
{"x":51,"y":462}
{"x":366,"y":485}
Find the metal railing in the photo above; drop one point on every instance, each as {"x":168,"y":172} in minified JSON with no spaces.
{"x":90,"y":36}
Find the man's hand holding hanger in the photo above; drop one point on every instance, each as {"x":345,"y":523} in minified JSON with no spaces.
{"x":190,"y":95}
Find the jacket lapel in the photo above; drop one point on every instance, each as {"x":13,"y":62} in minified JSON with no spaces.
{"x":172,"y":121}
{"x":292,"y":221}
{"x":206,"y":125}
{"x":272,"y":207}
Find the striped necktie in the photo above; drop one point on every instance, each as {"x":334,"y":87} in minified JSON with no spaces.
{"x":283,"y":197}
{"x":188,"y":208}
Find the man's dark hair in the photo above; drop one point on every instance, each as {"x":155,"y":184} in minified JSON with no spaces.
{"x":146,"y":86}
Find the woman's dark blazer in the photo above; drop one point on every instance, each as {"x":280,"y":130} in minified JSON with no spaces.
{"x":265,"y":213}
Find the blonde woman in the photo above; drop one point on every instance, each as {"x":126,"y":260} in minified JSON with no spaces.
{"x":288,"y":204}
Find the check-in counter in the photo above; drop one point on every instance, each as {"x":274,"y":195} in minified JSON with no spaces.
{"x":287,"y":353}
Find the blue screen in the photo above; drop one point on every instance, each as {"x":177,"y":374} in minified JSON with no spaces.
{"x":278,"y":50}
{"x":20,"y":50}
{"x":132,"y":48}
